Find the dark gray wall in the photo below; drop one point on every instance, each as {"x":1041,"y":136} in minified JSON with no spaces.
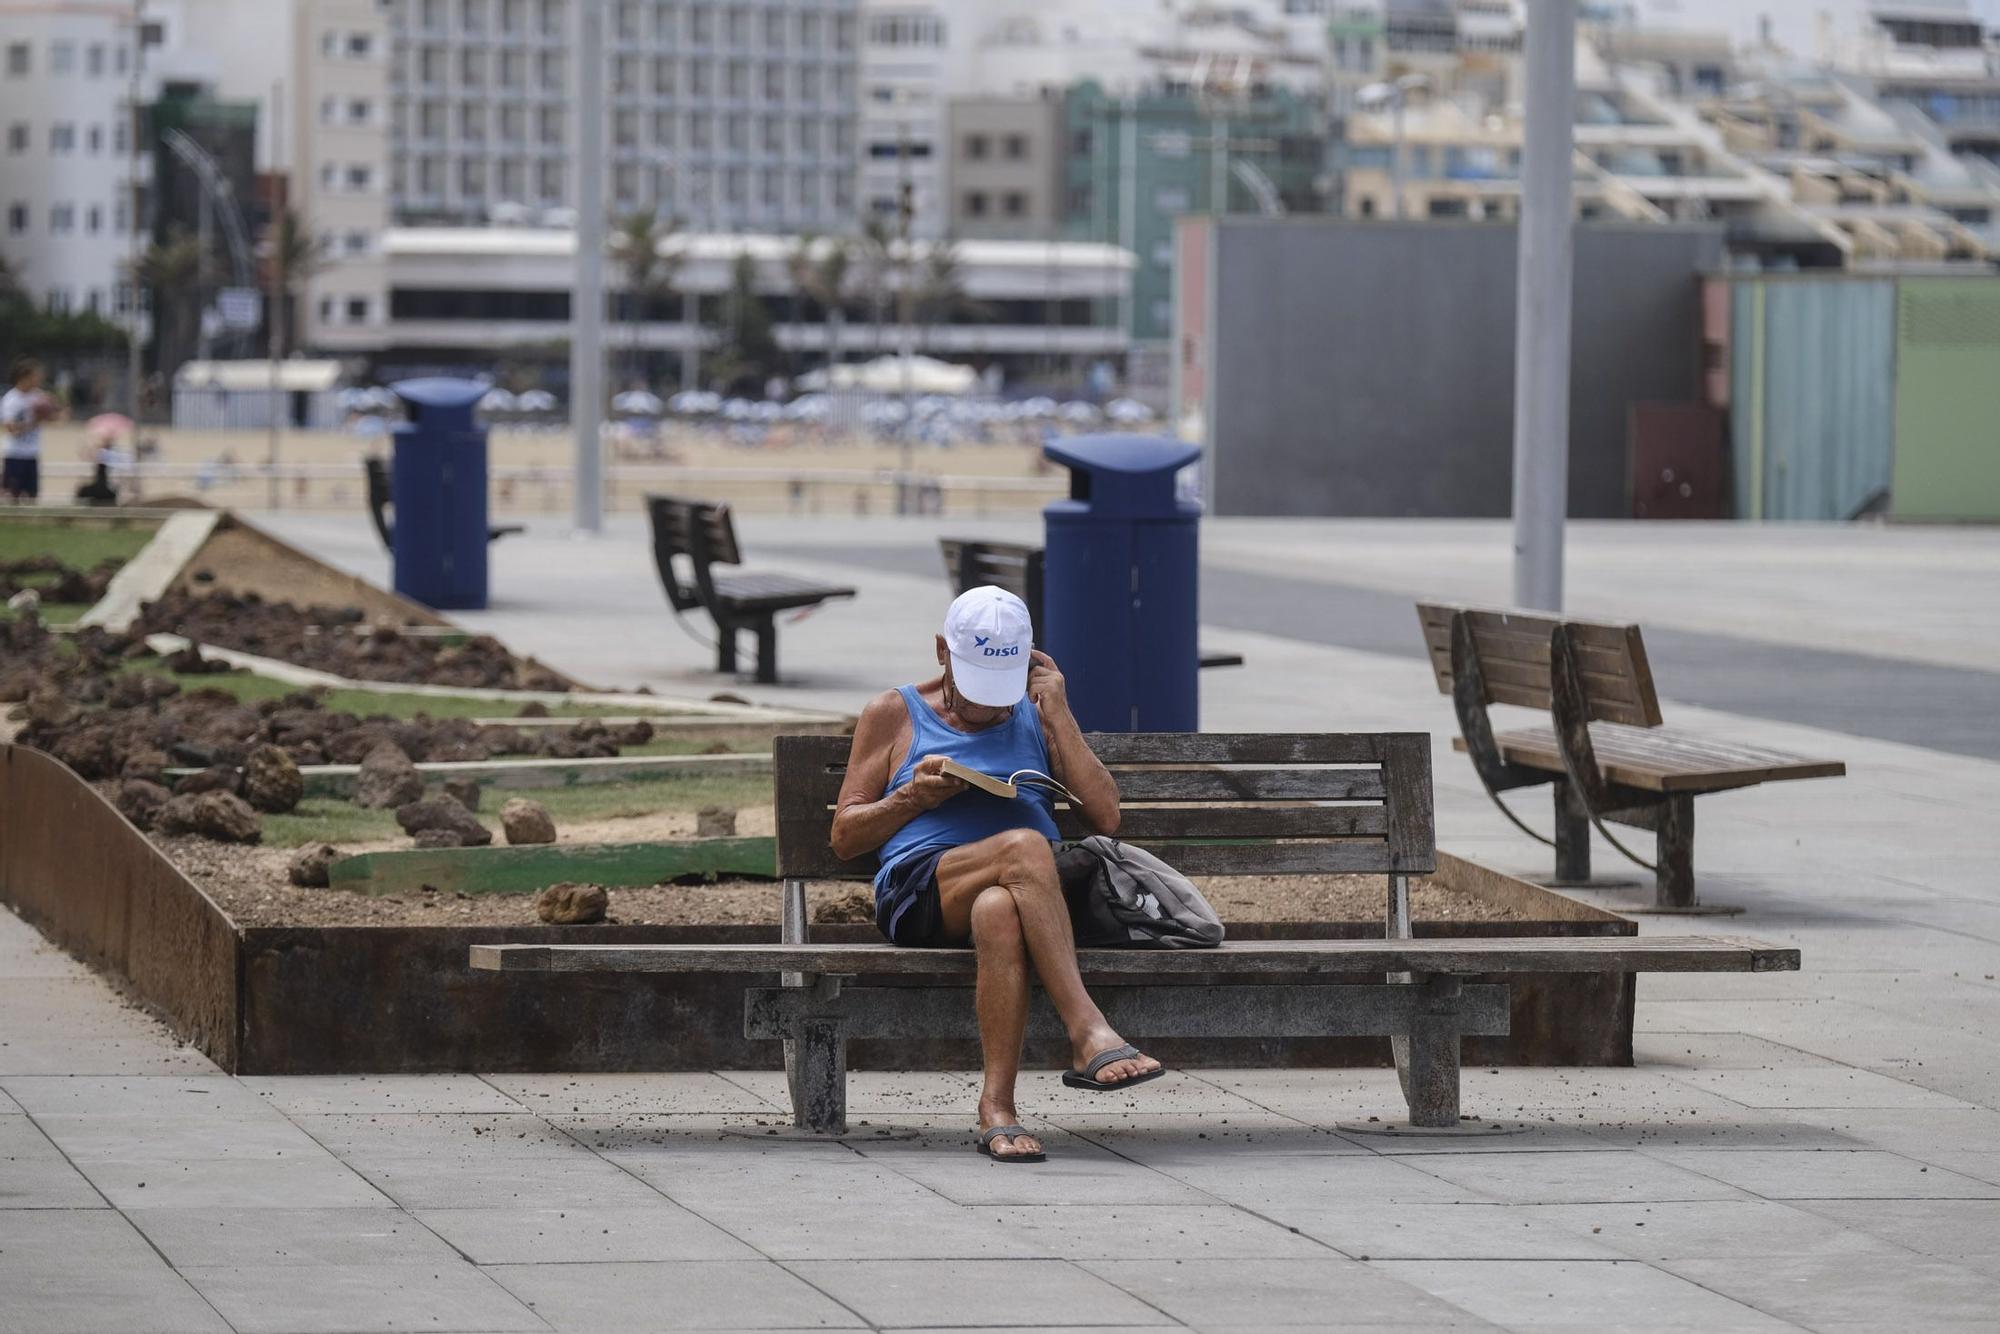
{"x":1368,"y":368}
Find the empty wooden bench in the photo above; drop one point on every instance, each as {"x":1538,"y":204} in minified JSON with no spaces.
{"x":1210,"y":804}
{"x":1606,"y":751}
{"x":702,"y":535}
{"x":381,"y":495}
{"x":1017,"y":567}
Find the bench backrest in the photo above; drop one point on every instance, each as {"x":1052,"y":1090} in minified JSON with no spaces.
{"x":1014,"y":566}
{"x":1207,"y":803}
{"x":701,"y":532}
{"x":1513,"y":653}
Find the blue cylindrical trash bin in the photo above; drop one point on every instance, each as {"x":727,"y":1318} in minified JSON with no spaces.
{"x":438,"y":484}
{"x":1119,"y":601}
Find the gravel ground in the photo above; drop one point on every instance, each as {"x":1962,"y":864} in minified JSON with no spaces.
{"x":250,"y":885}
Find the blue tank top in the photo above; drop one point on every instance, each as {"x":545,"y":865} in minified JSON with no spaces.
{"x":1002,"y":749}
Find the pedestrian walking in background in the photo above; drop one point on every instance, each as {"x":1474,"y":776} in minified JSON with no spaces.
{"x":23,"y":409}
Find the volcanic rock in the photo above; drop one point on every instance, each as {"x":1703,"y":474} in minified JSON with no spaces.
{"x":310,"y":865}
{"x":215,"y":778}
{"x":715,"y":822}
{"x":271,"y":781}
{"x":527,"y":822}
{"x":222,"y":816}
{"x":139,"y":801}
{"x":572,"y":905}
{"x":388,"y":779}
{"x":464,"y":791}
{"x":443,"y":814}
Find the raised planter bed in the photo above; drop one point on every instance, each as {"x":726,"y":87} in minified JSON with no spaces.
{"x":299,"y":1000}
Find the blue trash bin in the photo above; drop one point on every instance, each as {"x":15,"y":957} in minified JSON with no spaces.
{"x":1119,"y":603}
{"x":438,"y":482}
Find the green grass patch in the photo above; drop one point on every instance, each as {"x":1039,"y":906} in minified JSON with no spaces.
{"x":252,"y":689}
{"x":78,"y":545}
{"x":329,"y":820}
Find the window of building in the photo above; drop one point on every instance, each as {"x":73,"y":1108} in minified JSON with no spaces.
{"x":356,"y":243}
{"x":357,"y":310}
{"x":513,"y":179}
{"x":62,"y":57}
{"x":977,"y":146}
{"x":809,"y":84}
{"x":550,"y":182}
{"x":771,"y":187}
{"x":17,"y":219}
{"x":360,"y":45}
{"x":326,"y":310}
{"x":1014,"y":204}
{"x":774,"y":29}
{"x":121,"y":131}
{"x":93,"y":60}
{"x":62,"y":219}
{"x":625,"y":128}
{"x":472,"y":176}
{"x":666,"y":21}
{"x":62,"y":137}
{"x":360,"y":111}
{"x":93,"y":220}
{"x":771,"y":134}
{"x":1016,"y":147}
{"x":550,"y":126}
{"x":808,"y":136}
{"x":93,"y":139}
{"x":513,"y":69}
{"x":19,"y":59}
{"x":360,"y":176}
{"x":975,"y":203}
{"x":701,"y":24}
{"x":736,"y":80}
{"x":739,"y":26}
{"x":17,"y":137}
{"x":666,"y":76}
{"x":906,"y":30}
{"x":664,"y":126}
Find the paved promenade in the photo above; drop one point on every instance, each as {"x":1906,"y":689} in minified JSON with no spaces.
{"x":1818,"y":1150}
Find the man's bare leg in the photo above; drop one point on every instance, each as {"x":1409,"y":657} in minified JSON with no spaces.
{"x":1020,"y":862}
{"x":1001,"y":998}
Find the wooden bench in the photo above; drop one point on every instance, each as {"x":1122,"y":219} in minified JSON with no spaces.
{"x":381,"y":496}
{"x":1017,"y":567}
{"x":1606,"y":752}
{"x":1211,"y":804}
{"x":703,"y":536}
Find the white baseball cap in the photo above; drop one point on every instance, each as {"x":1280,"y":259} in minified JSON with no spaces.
{"x":989,"y":636}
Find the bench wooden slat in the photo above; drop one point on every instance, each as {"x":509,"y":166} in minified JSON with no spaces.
{"x":1711,"y":954}
{"x":1116,"y":748}
{"x":1138,"y":824}
{"x":1514,"y":659}
{"x":1219,"y":784}
{"x":1657,"y":760}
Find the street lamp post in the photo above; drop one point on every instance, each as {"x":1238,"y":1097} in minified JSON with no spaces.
{"x":1542,"y":307}
{"x":1395,"y":96}
{"x":586,"y":355}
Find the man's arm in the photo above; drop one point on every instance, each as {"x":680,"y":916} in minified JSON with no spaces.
{"x":1076,"y":765}
{"x":866,"y":814}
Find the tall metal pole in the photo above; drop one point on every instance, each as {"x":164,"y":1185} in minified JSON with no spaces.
{"x":1396,"y":160}
{"x":586,"y":352}
{"x":275,"y":308}
{"x":906,"y":209}
{"x":133,"y":288}
{"x":1542,"y":308}
{"x":1128,"y":219}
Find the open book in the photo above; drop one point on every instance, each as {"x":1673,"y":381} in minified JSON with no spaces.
{"x":1008,"y":787}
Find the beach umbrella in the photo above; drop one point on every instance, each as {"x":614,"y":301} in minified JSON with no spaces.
{"x":1127,"y":411}
{"x":536,"y":400}
{"x":638,"y":403}
{"x":499,"y":400}
{"x":108,"y":426}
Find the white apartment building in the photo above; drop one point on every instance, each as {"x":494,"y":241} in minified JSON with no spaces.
{"x":65,"y":151}
{"x":339,"y":117}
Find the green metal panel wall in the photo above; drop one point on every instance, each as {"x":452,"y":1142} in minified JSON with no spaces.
{"x":1948,"y":399}
{"x":1812,"y":375}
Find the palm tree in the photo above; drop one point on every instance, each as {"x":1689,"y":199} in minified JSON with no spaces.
{"x":941,"y":294}
{"x":650,"y":271}
{"x":819,"y":271}
{"x":173,"y":270}
{"x":295,"y":254}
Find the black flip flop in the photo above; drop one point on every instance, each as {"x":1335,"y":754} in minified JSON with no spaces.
{"x":986,"y":1138}
{"x":1086,"y":1078}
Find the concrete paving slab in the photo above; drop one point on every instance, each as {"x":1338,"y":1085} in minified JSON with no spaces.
{"x":1567,"y":1094}
{"x":1947,"y":1228}
{"x":1176,"y":1231}
{"x":336,"y":1299}
{"x":171,"y":1095}
{"x":1680,"y":1230}
{"x":873,"y":1091}
{"x":1573,"y":1177}
{"x":1916,"y":1131}
{"x":1980,"y":1165}
{"x":1321,"y":1293}
{"x":853,"y":1219}
{"x":1077,"y":1172}
{"x":472,"y":1137}
{"x":895,"y":1294}
{"x":1174,"y":1135}
{"x":320,"y":1182}
{"x":1578,"y":1294}
{"x":551,"y":1180}
{"x":99,"y":1056}
{"x":1718,"y":1051}
{"x":588,"y":1235}
{"x":308,"y":1094}
{"x":1270,"y":1181}
{"x":683,"y":1091}
{"x":1365,"y":1230}
{"x":68,"y":1007}
{"x":74,"y":1239}
{"x":141,"y":1295}
{"x":1894,"y":1291}
{"x":1820,"y":1087}
{"x":8,"y":1107}
{"x":234,"y":1237}
{"x":35,"y":1175}
{"x":89,"y":1138}
{"x":1758,"y":1130}
{"x":1829,"y":1174}
{"x":608,"y":1298}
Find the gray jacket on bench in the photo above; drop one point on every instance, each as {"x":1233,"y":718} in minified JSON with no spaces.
{"x":1122,"y":895}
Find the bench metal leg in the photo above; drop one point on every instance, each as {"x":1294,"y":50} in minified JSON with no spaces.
{"x":1674,"y":842}
{"x":767,"y":652}
{"x":1429,"y":1064}
{"x":725,"y":648}
{"x":819,"y":1076}
{"x":1572,"y":835}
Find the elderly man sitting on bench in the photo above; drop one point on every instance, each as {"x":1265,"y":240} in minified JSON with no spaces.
{"x":960,"y":865}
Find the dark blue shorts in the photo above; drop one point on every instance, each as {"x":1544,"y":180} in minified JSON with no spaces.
{"x":21,"y":477}
{"x":907,"y":909}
